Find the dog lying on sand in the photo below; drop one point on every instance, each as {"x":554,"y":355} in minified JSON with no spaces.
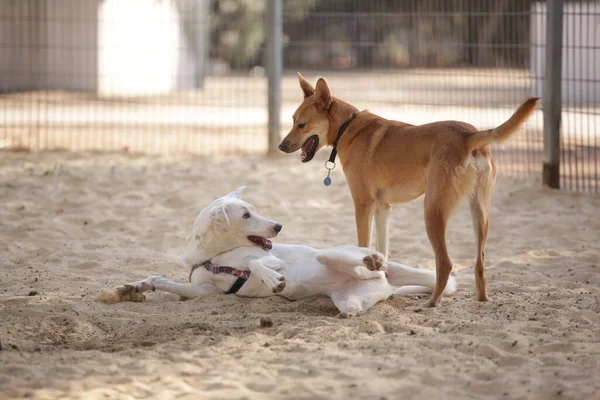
{"x":234,"y":255}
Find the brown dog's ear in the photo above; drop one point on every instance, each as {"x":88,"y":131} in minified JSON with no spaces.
{"x":322,"y":94}
{"x":306,"y":87}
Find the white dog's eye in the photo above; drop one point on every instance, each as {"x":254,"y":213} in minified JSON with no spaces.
{"x":246,"y":215}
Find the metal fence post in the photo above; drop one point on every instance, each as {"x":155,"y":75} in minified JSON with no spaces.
{"x":202,"y":40}
{"x":552,"y":93}
{"x":274,"y":67}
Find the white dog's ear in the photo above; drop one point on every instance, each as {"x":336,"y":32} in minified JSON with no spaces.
{"x":201,"y":226}
{"x":237,"y":193}
{"x":218,"y":218}
{"x":210,"y":218}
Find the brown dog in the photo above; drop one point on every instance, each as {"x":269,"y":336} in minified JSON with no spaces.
{"x":388,"y":162}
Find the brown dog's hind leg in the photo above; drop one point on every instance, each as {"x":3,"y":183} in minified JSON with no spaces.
{"x":480,"y":226}
{"x":480,"y":202}
{"x":435,"y":223}
{"x":448,"y":180}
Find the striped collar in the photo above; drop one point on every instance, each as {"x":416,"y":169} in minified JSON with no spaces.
{"x":242,"y":275}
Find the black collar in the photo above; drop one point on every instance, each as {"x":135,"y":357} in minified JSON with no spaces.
{"x":339,"y":136}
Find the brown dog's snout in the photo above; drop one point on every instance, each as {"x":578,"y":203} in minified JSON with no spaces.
{"x":283,"y":146}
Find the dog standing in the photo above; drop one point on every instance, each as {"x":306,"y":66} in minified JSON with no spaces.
{"x":387,"y":162}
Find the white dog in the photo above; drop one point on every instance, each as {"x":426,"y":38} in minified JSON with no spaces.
{"x":234,"y":255}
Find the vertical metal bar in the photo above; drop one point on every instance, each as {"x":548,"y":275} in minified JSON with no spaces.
{"x":580,"y":146}
{"x":274,"y":67}
{"x":594,"y":82}
{"x":588,"y":85}
{"x":552,"y":93}
{"x":566,"y":141}
{"x":201,"y":23}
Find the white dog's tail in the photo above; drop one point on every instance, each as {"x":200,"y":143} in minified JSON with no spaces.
{"x":401,"y":275}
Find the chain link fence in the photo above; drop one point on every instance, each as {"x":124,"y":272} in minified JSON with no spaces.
{"x":189,"y":76}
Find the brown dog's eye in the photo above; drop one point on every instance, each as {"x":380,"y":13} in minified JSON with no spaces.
{"x":246,"y":215}
{"x":300,"y":126}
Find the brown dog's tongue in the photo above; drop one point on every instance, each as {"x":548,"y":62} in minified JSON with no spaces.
{"x":307,"y":146}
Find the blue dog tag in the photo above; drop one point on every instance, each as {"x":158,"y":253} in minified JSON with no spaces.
{"x":329,"y":165}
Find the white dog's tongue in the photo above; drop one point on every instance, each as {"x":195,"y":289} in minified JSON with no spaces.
{"x":268,"y":245}
{"x":261,"y":241}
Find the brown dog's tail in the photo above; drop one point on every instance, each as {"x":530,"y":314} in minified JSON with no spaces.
{"x":504,"y":131}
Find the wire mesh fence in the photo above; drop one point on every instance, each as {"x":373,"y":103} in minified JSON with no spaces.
{"x":422,"y":61}
{"x":113,"y":75}
{"x":189,"y":75}
{"x":581,"y":97}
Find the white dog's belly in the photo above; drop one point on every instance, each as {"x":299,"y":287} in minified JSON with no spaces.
{"x":314,"y":280}
{"x":306,"y":277}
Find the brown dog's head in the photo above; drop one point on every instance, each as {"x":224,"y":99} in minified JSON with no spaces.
{"x":311,"y":121}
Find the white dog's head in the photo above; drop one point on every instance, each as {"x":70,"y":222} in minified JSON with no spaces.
{"x":232,"y":222}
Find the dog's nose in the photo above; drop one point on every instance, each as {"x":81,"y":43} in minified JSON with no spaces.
{"x":277,"y":227}
{"x":283,"y":146}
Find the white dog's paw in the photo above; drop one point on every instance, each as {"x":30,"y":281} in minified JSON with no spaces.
{"x":145,"y":285}
{"x":123,"y":293}
{"x":130,"y":291}
{"x":375,"y":262}
{"x":274,"y":280}
{"x":347,"y":314}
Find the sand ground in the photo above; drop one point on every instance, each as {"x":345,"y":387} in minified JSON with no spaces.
{"x":74,"y":223}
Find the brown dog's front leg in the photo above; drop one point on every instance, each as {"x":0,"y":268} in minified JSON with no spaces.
{"x":364,"y":218}
{"x":382,"y":215}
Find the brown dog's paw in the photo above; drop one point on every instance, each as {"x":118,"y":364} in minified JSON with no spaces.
{"x":375,"y":262}
{"x":483,"y":298}
{"x":428,"y":304}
